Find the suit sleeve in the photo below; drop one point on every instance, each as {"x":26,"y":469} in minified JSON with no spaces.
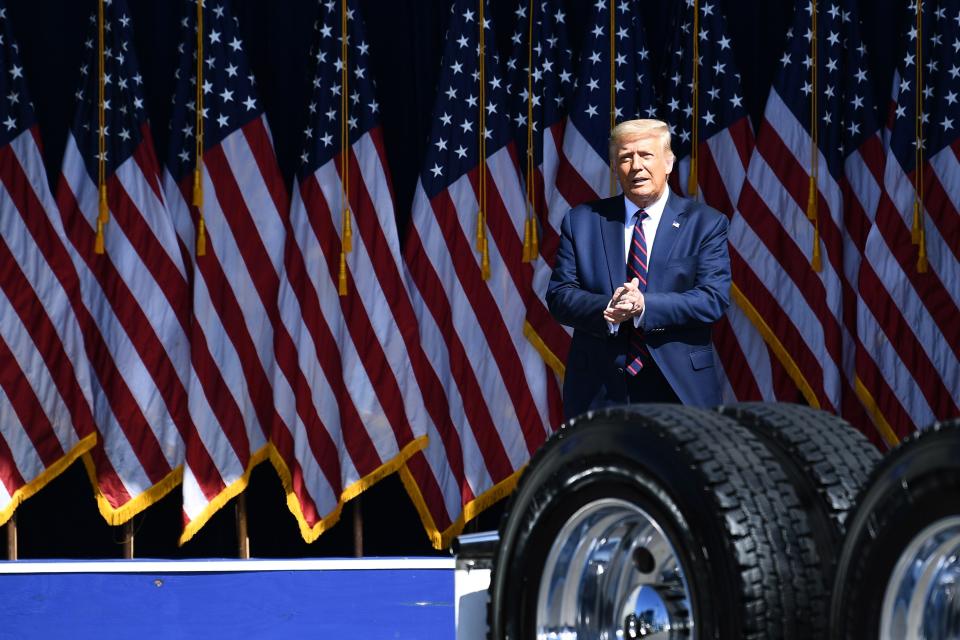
{"x":708,"y":299}
{"x":570,"y":304}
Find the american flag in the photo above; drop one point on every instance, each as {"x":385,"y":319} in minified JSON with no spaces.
{"x":365,"y":378}
{"x":724,"y":143}
{"x":613,"y":29}
{"x":233,"y":399}
{"x":908,"y":369}
{"x":541,"y":82}
{"x":469,"y":287}
{"x":46,"y":420}
{"x":136,"y":290}
{"x":801,"y":258}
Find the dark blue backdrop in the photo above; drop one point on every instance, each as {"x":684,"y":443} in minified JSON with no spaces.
{"x":405,"y":38}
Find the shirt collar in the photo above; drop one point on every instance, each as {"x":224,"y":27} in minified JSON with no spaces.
{"x":654,"y":211}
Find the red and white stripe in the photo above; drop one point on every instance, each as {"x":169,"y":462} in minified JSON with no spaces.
{"x":235,"y":398}
{"x":497,"y":386}
{"x":908,"y":369}
{"x":362,"y":377}
{"x":46,"y":420}
{"x":135,"y":323}
{"x":811,"y":315}
{"x":749,"y":370}
{"x":550,"y":337}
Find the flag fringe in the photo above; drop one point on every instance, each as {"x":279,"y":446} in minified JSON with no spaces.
{"x":50,"y":473}
{"x":309,"y":532}
{"x":545,"y":352}
{"x":879,"y":421}
{"x":778,"y":349}
{"x":443,"y":539}
{"x":234,"y":489}
{"x":116,"y":516}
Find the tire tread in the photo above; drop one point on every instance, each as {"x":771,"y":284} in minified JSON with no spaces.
{"x":769,"y":537}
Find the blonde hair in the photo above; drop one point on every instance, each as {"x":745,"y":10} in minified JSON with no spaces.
{"x":631,"y":128}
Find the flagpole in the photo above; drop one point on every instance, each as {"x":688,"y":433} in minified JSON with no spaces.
{"x":243,"y":537}
{"x":918,"y":233}
{"x":812,"y":196}
{"x":12,"y":537}
{"x":357,"y":528}
{"x":128,"y":536}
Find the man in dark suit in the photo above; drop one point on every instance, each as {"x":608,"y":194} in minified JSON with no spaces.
{"x":641,"y":324}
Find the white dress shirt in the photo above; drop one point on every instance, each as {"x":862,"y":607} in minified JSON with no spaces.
{"x":654,"y":213}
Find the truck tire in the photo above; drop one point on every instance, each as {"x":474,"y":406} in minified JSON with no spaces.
{"x":825,"y":457}
{"x":655,"y":519}
{"x":899,"y":569}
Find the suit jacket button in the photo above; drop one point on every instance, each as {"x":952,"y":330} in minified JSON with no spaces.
{"x":620,"y":370}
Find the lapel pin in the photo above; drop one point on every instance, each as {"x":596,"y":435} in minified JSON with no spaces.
{"x":676,"y":224}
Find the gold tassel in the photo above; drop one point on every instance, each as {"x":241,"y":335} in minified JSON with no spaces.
{"x":103,"y":216}
{"x":484,"y":260}
{"x":922,"y":264}
{"x":481,"y":234}
{"x":526,"y":240}
{"x":534,"y":239}
{"x":816,"y":261}
{"x":201,"y":238}
{"x":692,"y":180}
{"x":103,"y":209}
{"x":915,"y":228}
{"x":98,"y":241}
{"x":198,"y":202}
{"x":347,"y":231}
{"x":197,"y":188}
{"x":342,"y":277}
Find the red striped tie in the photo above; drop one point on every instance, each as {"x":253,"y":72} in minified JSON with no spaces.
{"x":637,"y":268}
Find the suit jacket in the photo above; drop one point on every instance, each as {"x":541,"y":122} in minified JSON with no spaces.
{"x":688,"y":289}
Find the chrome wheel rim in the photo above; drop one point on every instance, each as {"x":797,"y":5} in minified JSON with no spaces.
{"x":922,"y":598}
{"x":613,"y":573}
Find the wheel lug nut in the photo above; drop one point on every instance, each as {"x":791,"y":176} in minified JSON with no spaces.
{"x":643,"y":560}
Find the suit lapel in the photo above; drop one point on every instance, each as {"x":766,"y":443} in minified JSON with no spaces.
{"x":611,"y":230}
{"x":667,"y":233}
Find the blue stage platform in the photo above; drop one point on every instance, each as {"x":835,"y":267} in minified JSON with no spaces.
{"x":353,"y":598}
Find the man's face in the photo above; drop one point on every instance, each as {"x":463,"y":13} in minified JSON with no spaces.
{"x":642,"y":168}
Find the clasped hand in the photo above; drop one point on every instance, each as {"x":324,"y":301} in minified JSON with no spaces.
{"x":627,"y":302}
